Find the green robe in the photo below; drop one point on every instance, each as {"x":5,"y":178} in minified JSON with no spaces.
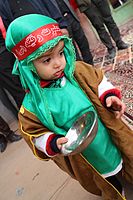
{"x":68,"y":102}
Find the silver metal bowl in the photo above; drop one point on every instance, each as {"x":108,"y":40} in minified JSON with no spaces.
{"x":81,"y":134}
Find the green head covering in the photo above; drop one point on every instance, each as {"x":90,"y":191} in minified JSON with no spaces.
{"x":26,"y":37}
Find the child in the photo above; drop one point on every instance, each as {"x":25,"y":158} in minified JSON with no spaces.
{"x":57,"y":94}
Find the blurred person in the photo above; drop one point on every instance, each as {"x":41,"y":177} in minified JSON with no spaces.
{"x":11,"y":9}
{"x":99,"y":14}
{"x":12,"y":84}
{"x":6,"y":135}
{"x":75,"y":31}
{"x":8,"y":81}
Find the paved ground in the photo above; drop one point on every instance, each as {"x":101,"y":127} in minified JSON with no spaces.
{"x":23,"y":177}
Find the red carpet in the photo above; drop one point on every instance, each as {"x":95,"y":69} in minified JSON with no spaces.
{"x":120,"y":69}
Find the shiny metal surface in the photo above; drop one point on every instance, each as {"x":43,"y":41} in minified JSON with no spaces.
{"x":81,"y":134}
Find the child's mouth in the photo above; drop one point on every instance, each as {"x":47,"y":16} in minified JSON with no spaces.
{"x":58,"y":73}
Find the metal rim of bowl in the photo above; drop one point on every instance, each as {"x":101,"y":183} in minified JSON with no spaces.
{"x":88,"y":140}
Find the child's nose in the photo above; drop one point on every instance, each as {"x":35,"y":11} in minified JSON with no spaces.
{"x":57,"y":63}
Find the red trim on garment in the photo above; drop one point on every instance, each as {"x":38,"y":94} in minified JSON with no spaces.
{"x":112,"y":91}
{"x":48,"y":148}
{"x":27,"y":91}
{"x":36,"y":39}
{"x":2,"y":28}
{"x":44,"y":83}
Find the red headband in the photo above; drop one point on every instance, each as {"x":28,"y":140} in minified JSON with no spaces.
{"x":36,"y":39}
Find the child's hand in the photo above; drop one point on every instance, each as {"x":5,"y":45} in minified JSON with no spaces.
{"x":61,"y":141}
{"x":118,"y":107}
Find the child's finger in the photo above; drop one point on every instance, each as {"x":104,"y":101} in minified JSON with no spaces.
{"x":108,"y":102}
{"x":118,"y":114}
{"x":123,"y":107}
{"x":64,"y":140}
{"x":121,"y":111}
{"x":61,"y":141}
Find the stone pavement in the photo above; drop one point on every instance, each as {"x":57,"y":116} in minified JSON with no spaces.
{"x":23,"y":177}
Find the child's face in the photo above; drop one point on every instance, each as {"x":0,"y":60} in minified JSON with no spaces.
{"x":52,"y":63}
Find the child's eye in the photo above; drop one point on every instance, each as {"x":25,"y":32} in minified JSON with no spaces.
{"x":61,"y":53}
{"x":47,"y":60}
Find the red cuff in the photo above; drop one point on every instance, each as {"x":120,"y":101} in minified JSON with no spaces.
{"x":113,"y":91}
{"x":48,"y":148}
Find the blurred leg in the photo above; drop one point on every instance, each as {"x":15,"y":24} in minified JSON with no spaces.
{"x":8,"y":81}
{"x":82,"y":42}
{"x":104,"y":9}
{"x":96,"y":19}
